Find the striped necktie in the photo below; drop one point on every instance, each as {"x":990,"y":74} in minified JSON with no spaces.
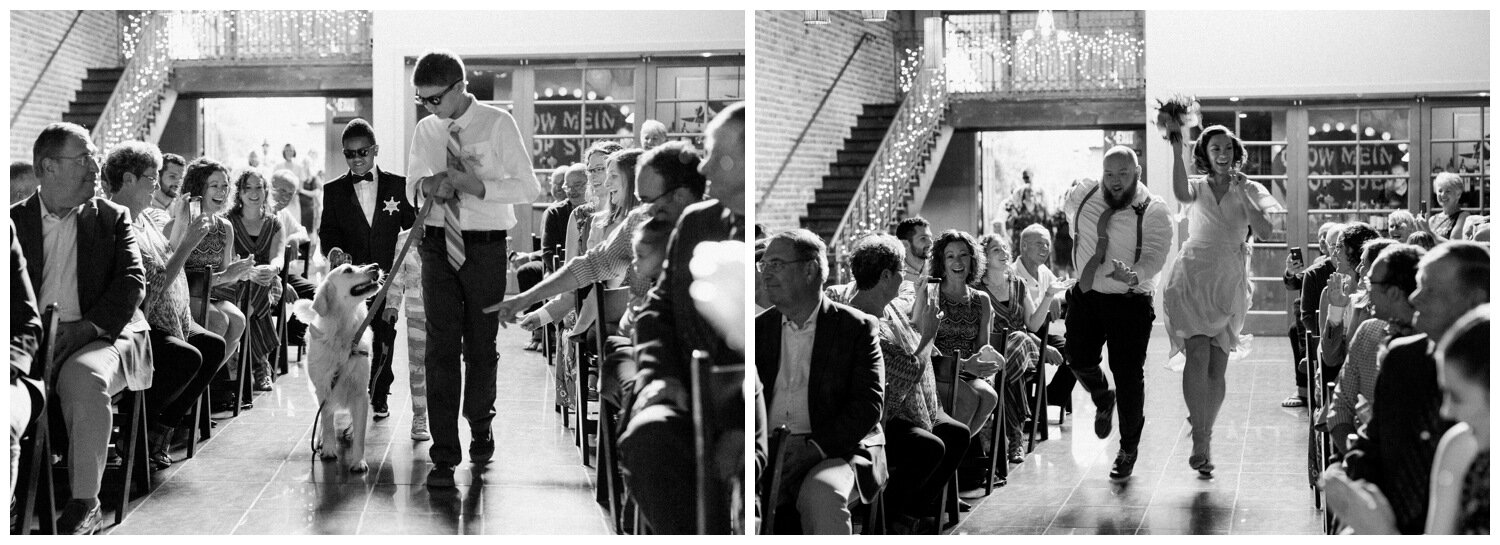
{"x":453,"y":233}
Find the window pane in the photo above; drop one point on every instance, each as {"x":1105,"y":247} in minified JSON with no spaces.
{"x":1475,"y":188}
{"x":1261,"y":161}
{"x":1389,"y":124}
{"x":1271,"y":295}
{"x":556,"y":119}
{"x":492,"y":84}
{"x":605,"y":119}
{"x":682,"y":116}
{"x":1332,"y":159}
{"x":547,"y":153}
{"x":726,"y":82}
{"x":1381,"y":194}
{"x":1330,"y":125}
{"x":559,"y":83}
{"x":1381,"y":158}
{"x":1215,"y":118}
{"x":1330,"y":194}
{"x":682,"y":83}
{"x":609,"y":84}
{"x":1256,"y":126}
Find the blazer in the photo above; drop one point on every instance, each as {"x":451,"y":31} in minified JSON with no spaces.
{"x":344,"y":226}
{"x":845,"y":385}
{"x":111,"y":279}
{"x":668,"y":327}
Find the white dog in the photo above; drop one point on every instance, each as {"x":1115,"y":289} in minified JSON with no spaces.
{"x":338,"y":366}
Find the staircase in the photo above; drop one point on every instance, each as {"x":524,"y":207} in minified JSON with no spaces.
{"x":90,"y":101}
{"x":846,"y":172}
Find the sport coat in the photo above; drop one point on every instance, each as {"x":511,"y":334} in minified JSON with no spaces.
{"x":111,"y":279}
{"x":344,"y":226}
{"x":845,"y":385}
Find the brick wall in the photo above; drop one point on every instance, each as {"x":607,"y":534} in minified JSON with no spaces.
{"x":794,"y":65}
{"x":34,"y":35}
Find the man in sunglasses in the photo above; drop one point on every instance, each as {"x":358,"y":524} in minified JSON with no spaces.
{"x":363,"y":211}
{"x":471,"y":159}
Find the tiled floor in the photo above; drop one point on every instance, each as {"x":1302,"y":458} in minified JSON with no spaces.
{"x":1260,"y":450}
{"x":257,"y":475}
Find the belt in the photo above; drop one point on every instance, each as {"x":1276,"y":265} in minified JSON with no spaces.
{"x":475,"y":237}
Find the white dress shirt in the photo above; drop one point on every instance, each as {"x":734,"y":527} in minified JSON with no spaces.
{"x":365,"y":190}
{"x":1037,"y":285}
{"x":789,"y":407}
{"x":1156,"y":236}
{"x":60,"y":262}
{"x":493,"y":151}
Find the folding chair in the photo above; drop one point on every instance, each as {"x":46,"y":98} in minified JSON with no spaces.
{"x":34,"y":485}
{"x":773,"y":477}
{"x":200,"y":283}
{"x":281,"y":364}
{"x":1037,"y":380}
{"x":714,"y":416}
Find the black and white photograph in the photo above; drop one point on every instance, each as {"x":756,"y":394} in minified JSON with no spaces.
{"x":378,"y":272}
{"x":1122,"y":272}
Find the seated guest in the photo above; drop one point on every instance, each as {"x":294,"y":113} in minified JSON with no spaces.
{"x":1337,"y":308}
{"x":1030,"y":266}
{"x":80,"y":251}
{"x":258,"y":235}
{"x":653,"y":133}
{"x":1310,"y":282}
{"x":1016,"y":312}
{"x":283,"y":197}
{"x":1402,"y":224}
{"x":207,"y":182}
{"x":1448,"y":223}
{"x":823,"y":372}
{"x":1396,"y":448}
{"x":26,"y":395}
{"x":168,"y":184}
{"x":1423,"y":239}
{"x":1459,"y":500}
{"x":1386,"y":295}
{"x":924,"y":444}
{"x":915,"y":235}
{"x":179,"y":345}
{"x":965,"y":315}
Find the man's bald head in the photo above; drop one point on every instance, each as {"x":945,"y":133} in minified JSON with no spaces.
{"x":1122,"y":169}
{"x":1122,"y":153}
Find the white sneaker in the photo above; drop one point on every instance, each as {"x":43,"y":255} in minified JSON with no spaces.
{"x":419,"y":428}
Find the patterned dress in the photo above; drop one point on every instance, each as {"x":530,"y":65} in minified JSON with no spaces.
{"x":1021,"y":350}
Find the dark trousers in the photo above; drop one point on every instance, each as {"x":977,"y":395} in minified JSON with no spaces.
{"x":656,"y":460}
{"x":1123,"y":321}
{"x":457,"y":326}
{"x":921,"y":462}
{"x":180,"y":374}
{"x":384,"y":334}
{"x":1298,"y":336}
{"x":302,"y":288}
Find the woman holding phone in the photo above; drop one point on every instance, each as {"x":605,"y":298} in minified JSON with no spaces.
{"x":1208,"y":295}
{"x":205,"y":186}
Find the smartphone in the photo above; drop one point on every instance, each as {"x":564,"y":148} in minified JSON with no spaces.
{"x":1296,"y":255}
{"x":195,"y":207}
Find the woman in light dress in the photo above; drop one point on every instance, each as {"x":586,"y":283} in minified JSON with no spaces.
{"x":1208,"y":294}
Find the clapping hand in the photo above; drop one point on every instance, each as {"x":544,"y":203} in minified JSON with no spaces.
{"x":984,"y":363}
{"x":238,"y":269}
{"x":1059,"y":286}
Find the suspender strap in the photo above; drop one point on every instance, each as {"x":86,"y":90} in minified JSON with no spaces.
{"x":1140,"y":219}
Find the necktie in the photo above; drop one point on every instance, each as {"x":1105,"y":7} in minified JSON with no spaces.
{"x":453,"y":233}
{"x":1086,"y":278}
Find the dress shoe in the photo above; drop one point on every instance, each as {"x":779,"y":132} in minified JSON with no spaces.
{"x":481,"y":449}
{"x":1104,"y":417}
{"x":440,"y":476}
{"x":1202,"y":464}
{"x":79,"y":519}
{"x":1124,"y":465}
{"x":1016,"y":453}
{"x":263,"y":384}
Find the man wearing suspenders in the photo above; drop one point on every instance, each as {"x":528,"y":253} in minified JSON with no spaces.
{"x":1121,"y":234}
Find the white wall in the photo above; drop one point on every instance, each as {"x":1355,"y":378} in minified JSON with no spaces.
{"x":401,"y":34}
{"x":1311,"y":53}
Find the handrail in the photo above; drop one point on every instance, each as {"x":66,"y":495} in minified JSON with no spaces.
{"x":814,"y":117}
{"x":896,"y":164}
{"x":26,"y":99}
{"x":143,"y":84}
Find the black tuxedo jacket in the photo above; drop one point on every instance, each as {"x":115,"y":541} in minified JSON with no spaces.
{"x":344,"y":226}
{"x":845,"y":385}
{"x":111,"y":279}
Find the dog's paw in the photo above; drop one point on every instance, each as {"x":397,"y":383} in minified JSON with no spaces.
{"x":327,"y":455}
{"x":360,"y":467}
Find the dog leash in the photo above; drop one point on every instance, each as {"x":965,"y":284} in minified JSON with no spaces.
{"x":377,"y":303}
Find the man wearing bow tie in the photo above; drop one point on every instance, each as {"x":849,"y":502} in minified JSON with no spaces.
{"x":363,"y":211}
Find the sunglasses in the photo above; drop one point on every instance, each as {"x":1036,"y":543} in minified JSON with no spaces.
{"x":437,"y":99}
{"x":362,"y":152}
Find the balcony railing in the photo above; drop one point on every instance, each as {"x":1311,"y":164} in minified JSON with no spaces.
{"x":138,"y":95}
{"x":259,"y":37}
{"x":1046,"y":54}
{"x":896,"y":165}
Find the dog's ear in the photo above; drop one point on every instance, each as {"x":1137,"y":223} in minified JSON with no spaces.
{"x":323,"y":302}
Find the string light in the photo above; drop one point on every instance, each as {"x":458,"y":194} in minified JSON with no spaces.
{"x":1046,"y":59}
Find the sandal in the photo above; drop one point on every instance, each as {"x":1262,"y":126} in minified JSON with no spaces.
{"x":1294,"y":401}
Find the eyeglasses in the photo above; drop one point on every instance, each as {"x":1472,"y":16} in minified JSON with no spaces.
{"x":435,"y":100}
{"x":368,"y":150}
{"x":663,"y":194}
{"x":776,"y":266}
{"x":97,"y":158}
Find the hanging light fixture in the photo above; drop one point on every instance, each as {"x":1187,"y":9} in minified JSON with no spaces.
{"x":873,"y":15}
{"x":815,"y":17}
